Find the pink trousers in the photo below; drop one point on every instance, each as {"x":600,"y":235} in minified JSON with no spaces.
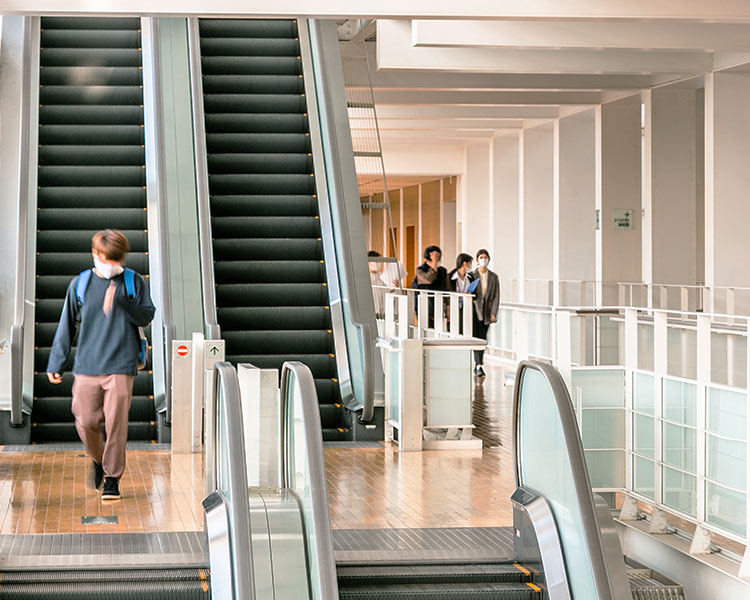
{"x":103,"y":398}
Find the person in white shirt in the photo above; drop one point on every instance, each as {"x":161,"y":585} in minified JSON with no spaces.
{"x":383,"y":274}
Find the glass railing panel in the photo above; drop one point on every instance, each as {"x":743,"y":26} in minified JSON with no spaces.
{"x":646,"y":346}
{"x":544,"y":466}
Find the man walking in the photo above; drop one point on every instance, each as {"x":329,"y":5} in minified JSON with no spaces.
{"x":107,"y":317}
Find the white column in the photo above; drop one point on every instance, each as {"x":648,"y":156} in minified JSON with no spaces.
{"x":476,"y":228}
{"x":673,"y":186}
{"x":727,"y":178}
{"x":505,"y":200}
{"x":577,"y":190}
{"x":538,"y":205}
{"x":620,"y":190}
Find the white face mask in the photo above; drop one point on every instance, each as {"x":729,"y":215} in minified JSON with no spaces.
{"x":483,"y":262}
{"x":105,"y":270}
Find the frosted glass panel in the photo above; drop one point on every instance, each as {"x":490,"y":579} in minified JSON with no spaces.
{"x":674,"y":352}
{"x":600,"y":387}
{"x":679,"y":447}
{"x":726,"y":461}
{"x":646,"y":347}
{"x":643,"y":435}
{"x":643,"y":393}
{"x":679,"y":401}
{"x":679,"y":490}
{"x":727,"y":413}
{"x":719,"y":358}
{"x":606,"y":468}
{"x":575,"y":340}
{"x":603,"y":428}
{"x":545,"y":467}
{"x":739,"y":372}
{"x":726,"y":508}
{"x":643,"y":474}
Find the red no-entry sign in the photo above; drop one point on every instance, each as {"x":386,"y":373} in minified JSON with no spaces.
{"x":182,"y":350}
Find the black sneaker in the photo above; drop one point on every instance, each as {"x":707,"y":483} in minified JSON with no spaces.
{"x":97,"y":474}
{"x":111,"y":489}
{"x":480,"y":371}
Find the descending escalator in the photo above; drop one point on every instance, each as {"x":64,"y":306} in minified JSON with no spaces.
{"x":91,"y":176}
{"x":269,"y":271}
{"x":478,"y":581}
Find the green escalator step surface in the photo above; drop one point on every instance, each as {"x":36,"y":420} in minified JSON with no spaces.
{"x":280,"y":342}
{"x":91,"y":57}
{"x":91,"y":135}
{"x":266,"y":143}
{"x":261,"y":184}
{"x":90,"y":114}
{"x":242,"y":46}
{"x":432,"y":573}
{"x":264,"y":206}
{"x":247,"y":28}
{"x":104,"y":24}
{"x":268,"y":249}
{"x":91,"y":176}
{"x":282,"y":317}
{"x":242,"y":271}
{"x":271,"y":295}
{"x":112,"y":95}
{"x":90,"y":38}
{"x":257,"y":103}
{"x":297,"y":163}
{"x":279,"y":227}
{"x":249,"y":65}
{"x":456,"y":591}
{"x":253,"y":84}
{"x":91,"y":76}
{"x":115,"y":590}
{"x":251,"y":123}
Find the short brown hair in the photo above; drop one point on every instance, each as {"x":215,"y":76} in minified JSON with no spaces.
{"x":111,"y":243}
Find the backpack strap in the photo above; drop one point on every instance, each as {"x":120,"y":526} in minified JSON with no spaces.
{"x":82,"y":284}
{"x":129,"y":276}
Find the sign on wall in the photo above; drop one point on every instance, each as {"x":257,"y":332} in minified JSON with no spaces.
{"x":622,"y":218}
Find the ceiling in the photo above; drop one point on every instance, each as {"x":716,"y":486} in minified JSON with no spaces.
{"x":462,"y":81}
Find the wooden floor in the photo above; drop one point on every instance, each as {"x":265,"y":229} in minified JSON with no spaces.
{"x":49,"y":491}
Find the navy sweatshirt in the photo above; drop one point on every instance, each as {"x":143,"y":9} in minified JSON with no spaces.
{"x":107,"y":344}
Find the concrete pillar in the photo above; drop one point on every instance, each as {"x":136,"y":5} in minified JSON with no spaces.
{"x":538,"y":205}
{"x":619,"y":181}
{"x":577,"y":201}
{"x":505,"y":176}
{"x":727,"y":178}
{"x":474,"y":205}
{"x":673,"y":186}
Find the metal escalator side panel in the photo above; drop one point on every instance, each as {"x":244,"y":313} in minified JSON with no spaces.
{"x":338,"y":197}
{"x":217,"y":530}
{"x":549,"y":461}
{"x":613,"y":553}
{"x":532,"y":510}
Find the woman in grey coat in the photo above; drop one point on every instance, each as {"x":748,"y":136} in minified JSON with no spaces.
{"x":486,"y":302}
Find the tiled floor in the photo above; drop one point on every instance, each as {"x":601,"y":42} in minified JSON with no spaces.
{"x":47,"y":491}
{"x":382,"y":488}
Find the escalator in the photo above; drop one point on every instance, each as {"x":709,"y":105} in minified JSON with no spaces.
{"x":269,"y":270}
{"x":91,"y":176}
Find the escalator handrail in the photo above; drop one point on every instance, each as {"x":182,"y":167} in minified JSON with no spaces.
{"x":337,"y":194}
{"x":574,"y":450}
{"x":213,"y":331}
{"x":239,"y":507}
{"x":321,"y":518}
{"x":154,"y":106}
{"x":29,"y":103}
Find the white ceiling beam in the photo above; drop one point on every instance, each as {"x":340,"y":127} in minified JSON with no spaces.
{"x":437,"y":111}
{"x":457,"y":124}
{"x":396,"y":52}
{"x":482,"y":98}
{"x":653,"y":35}
{"x":685,"y":10}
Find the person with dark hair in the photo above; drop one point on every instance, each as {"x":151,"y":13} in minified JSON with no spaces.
{"x":430,"y":276}
{"x":459,"y":280}
{"x":106,"y":309}
{"x":486,"y":303}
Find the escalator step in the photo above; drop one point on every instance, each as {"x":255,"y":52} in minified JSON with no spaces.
{"x":271,"y":294}
{"x":66,"y":432}
{"x":91,"y":155}
{"x":253,"y":84}
{"x":268,"y":249}
{"x":282,"y":317}
{"x":121,"y":575}
{"x":73,"y":263}
{"x":436,"y":573}
{"x":257,"y":103}
{"x":142,"y":385}
{"x":110,"y":95}
{"x":280,"y":342}
{"x":90,"y":219}
{"x":264,"y":206}
{"x":57,"y":409}
{"x":233,"y":163}
{"x":76,"y":23}
{"x":452,"y":591}
{"x":90,"y":57}
{"x":94,"y":135}
{"x":279,"y":227}
{"x":99,"y":176}
{"x":89,"y":38}
{"x":265,"y":28}
{"x":93,"y":75}
{"x":80,"y":240}
{"x":232,"y":46}
{"x":111,"y":590}
{"x":85,"y":114}
{"x":249,"y":123}
{"x":251,"y":65}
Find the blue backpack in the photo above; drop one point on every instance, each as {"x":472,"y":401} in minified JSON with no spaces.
{"x":129,"y":275}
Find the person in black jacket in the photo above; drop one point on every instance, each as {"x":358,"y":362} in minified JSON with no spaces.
{"x":430,"y":276}
{"x":486,"y":304}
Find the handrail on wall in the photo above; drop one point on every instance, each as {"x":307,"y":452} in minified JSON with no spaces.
{"x":320,"y":527}
{"x":213,"y":331}
{"x":337,"y":194}
{"x":226,"y":392}
{"x":606,"y":587}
